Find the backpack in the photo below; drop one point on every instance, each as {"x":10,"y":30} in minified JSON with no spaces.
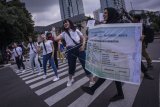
{"x":149,"y":34}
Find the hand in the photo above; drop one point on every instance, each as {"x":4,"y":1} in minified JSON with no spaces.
{"x":82,"y":48}
{"x":142,"y":38}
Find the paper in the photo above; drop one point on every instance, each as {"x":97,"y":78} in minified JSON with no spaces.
{"x":114,"y":52}
{"x":90,"y":23}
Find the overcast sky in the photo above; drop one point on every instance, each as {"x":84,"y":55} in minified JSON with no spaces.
{"x":46,"y":12}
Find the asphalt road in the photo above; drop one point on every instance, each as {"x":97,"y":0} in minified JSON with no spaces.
{"x":31,"y":90}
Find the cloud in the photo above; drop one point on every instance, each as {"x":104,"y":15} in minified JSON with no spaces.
{"x":35,"y":6}
{"x":46,"y":12}
{"x":47,"y":17}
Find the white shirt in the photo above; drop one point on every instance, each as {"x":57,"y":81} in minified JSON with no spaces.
{"x":74,"y":35}
{"x":17,"y":51}
{"x":31,"y":51}
{"x":48,"y":45}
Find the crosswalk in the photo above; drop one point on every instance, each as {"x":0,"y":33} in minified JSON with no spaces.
{"x":57,"y":94}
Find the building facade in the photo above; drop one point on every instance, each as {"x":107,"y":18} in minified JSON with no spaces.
{"x":70,"y":8}
{"x":117,"y":4}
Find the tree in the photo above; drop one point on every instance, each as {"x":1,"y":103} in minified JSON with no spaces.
{"x":15,"y":22}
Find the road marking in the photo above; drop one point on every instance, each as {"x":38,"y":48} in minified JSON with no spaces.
{"x":66,"y":91}
{"x":54,"y":85}
{"x":48,"y":79}
{"x":156,"y":61}
{"x":85,"y":99}
{"x":34,"y":75}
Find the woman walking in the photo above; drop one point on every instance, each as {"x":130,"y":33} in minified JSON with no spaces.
{"x":48,"y":53}
{"x":75,"y":49}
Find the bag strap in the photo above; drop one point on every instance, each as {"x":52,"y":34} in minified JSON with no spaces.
{"x":32,"y":47}
{"x":44,"y":47}
{"x":72,"y":38}
{"x":16,"y":52}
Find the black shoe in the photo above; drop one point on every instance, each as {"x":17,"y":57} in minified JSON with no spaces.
{"x":147,"y":76}
{"x":116,"y":98}
{"x":150,"y":67}
{"x":87,"y":90}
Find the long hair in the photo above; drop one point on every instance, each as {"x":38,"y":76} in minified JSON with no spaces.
{"x":113,"y":15}
{"x":71,"y":25}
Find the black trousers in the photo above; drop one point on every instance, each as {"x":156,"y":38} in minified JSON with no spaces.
{"x":55,"y":58}
{"x":100,"y":81}
{"x":19,"y":62}
{"x":143,"y":68}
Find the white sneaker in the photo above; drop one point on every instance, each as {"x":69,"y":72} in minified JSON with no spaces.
{"x":23,"y":71}
{"x":56,"y":79}
{"x":39,"y":73}
{"x":44,"y":76}
{"x":17,"y":71}
{"x":69,"y":83}
{"x":91,"y":83}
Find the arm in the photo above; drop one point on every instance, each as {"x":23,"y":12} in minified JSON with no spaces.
{"x":24,"y":46}
{"x":57,"y":38}
{"x":52,"y":49}
{"x":39,"y":48}
{"x":82,"y":39}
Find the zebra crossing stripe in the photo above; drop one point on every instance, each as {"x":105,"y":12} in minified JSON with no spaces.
{"x":34,"y":75}
{"x":85,"y":99}
{"x":48,"y":79}
{"x":40,"y":77}
{"x":66,"y":91}
{"x":25,"y":73}
{"x":56,"y":84}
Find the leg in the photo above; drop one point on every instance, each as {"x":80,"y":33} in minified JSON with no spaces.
{"x":72,"y":65}
{"x":119,"y":94}
{"x":119,"y":88}
{"x":44,"y":63}
{"x":91,"y":90}
{"x":71,"y":62}
{"x":145,"y":72}
{"x":32,"y":61}
{"x":37,"y":63}
{"x":55,"y":58}
{"x":21,"y":62}
{"x":51,"y":61}
{"x":145,"y":54}
{"x":17,"y":62}
{"x":82,"y":57}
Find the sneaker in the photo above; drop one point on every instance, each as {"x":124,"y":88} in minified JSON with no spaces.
{"x":18,"y":71}
{"x":88,"y":90}
{"x":56,"y":79}
{"x":39,"y":73}
{"x":147,"y":76}
{"x":23,"y":71}
{"x":44,"y":76}
{"x":116,"y":98}
{"x":150,"y":67}
{"x":69,"y":83}
{"x":91,"y":83}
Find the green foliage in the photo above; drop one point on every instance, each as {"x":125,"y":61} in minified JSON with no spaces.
{"x":15,"y":22}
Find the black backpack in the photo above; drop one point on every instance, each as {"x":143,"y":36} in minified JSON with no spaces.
{"x":149,"y":34}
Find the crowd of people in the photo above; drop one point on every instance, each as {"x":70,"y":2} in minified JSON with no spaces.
{"x":51,"y":44}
